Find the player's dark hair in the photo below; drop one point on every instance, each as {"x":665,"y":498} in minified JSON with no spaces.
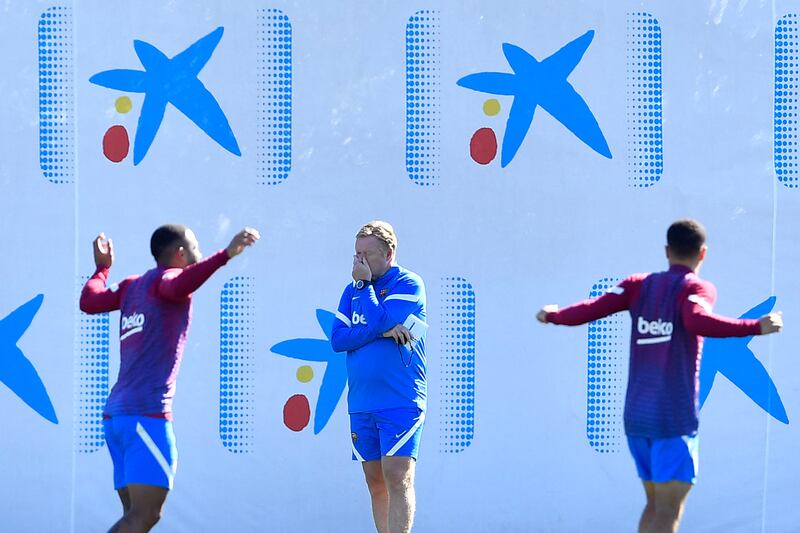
{"x":165,"y":237}
{"x":685,"y":238}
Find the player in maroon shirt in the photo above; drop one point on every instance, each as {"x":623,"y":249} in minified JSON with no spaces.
{"x":671,"y":313}
{"x":155,"y":311}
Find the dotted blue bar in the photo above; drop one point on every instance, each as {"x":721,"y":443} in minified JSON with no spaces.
{"x":423,"y":95}
{"x":236,"y":379}
{"x":458,"y":365}
{"x":274,"y":93}
{"x":56,"y":96}
{"x":644,"y":101}
{"x":605,"y":377}
{"x":91,"y":380}
{"x":786,"y":93}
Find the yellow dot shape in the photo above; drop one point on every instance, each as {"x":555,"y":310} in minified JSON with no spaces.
{"x":123,"y":104}
{"x":491,"y":107}
{"x":305,"y":374}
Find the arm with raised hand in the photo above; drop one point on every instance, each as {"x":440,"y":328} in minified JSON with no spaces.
{"x":95,"y":296}
{"x":178,"y":284}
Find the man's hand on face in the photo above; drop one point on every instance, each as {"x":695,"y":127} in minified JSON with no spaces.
{"x":400,"y":334}
{"x":103,"y":251}
{"x":361,"y":269}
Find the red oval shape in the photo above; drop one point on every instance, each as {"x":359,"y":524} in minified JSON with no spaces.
{"x":116,"y":144}
{"x":296,"y":412}
{"x":483,"y":146}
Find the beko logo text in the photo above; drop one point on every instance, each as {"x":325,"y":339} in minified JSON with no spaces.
{"x":656,"y":327}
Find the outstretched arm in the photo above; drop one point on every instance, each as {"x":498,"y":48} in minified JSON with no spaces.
{"x":615,"y":300}
{"x":700,"y":320}
{"x":178,"y":284}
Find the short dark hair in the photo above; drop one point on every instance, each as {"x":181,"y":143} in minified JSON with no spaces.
{"x":685,"y":238}
{"x":166,"y":236}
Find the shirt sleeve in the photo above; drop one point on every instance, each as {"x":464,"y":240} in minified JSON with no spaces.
{"x":344,"y":337}
{"x":698,"y":318}
{"x":177,"y":284}
{"x":617,"y":299}
{"x":406,"y":298}
{"x":96,"y":297}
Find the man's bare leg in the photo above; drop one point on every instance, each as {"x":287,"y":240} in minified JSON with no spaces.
{"x":378,"y":493}
{"x":669,"y":498}
{"x":398,"y":475}
{"x":649,"y":512}
{"x":144,"y":512}
{"x":125,"y":498}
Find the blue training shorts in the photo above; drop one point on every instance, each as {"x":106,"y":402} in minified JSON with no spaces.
{"x":142,"y":449}
{"x":390,"y":432}
{"x":663,"y":460}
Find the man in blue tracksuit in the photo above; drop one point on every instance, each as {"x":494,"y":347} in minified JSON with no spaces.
{"x":386,"y":372}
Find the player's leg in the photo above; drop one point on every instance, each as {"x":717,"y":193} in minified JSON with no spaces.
{"x":400,"y":433}
{"x":116,"y":450}
{"x":147,"y":502}
{"x":398,"y":473}
{"x":640,"y":448}
{"x":649,"y":512}
{"x":366,"y":449}
{"x":125,"y":498}
{"x":378,"y":494}
{"x":150,"y":461}
{"x":670,"y":498}
{"x":675,"y":463}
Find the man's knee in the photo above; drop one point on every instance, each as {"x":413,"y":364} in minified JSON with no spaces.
{"x":374,"y":478}
{"x":399,"y":476}
{"x":144,"y":517}
{"x":650,"y":508}
{"x":376,"y":485}
{"x":668,"y":511}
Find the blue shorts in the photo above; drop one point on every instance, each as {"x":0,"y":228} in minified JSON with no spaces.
{"x":663,"y":460}
{"x":142,"y":449}
{"x":387,"y":433}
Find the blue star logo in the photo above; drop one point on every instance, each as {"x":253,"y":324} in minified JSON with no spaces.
{"x":16,"y":372}
{"x":172,"y":81}
{"x":734,"y":360}
{"x":541,"y":83}
{"x":319,"y":350}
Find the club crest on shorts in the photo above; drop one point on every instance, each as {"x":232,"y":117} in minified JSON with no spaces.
{"x":354,"y":436}
{"x":383,"y":292}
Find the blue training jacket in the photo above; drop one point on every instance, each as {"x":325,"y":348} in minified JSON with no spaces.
{"x":381,"y":374}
